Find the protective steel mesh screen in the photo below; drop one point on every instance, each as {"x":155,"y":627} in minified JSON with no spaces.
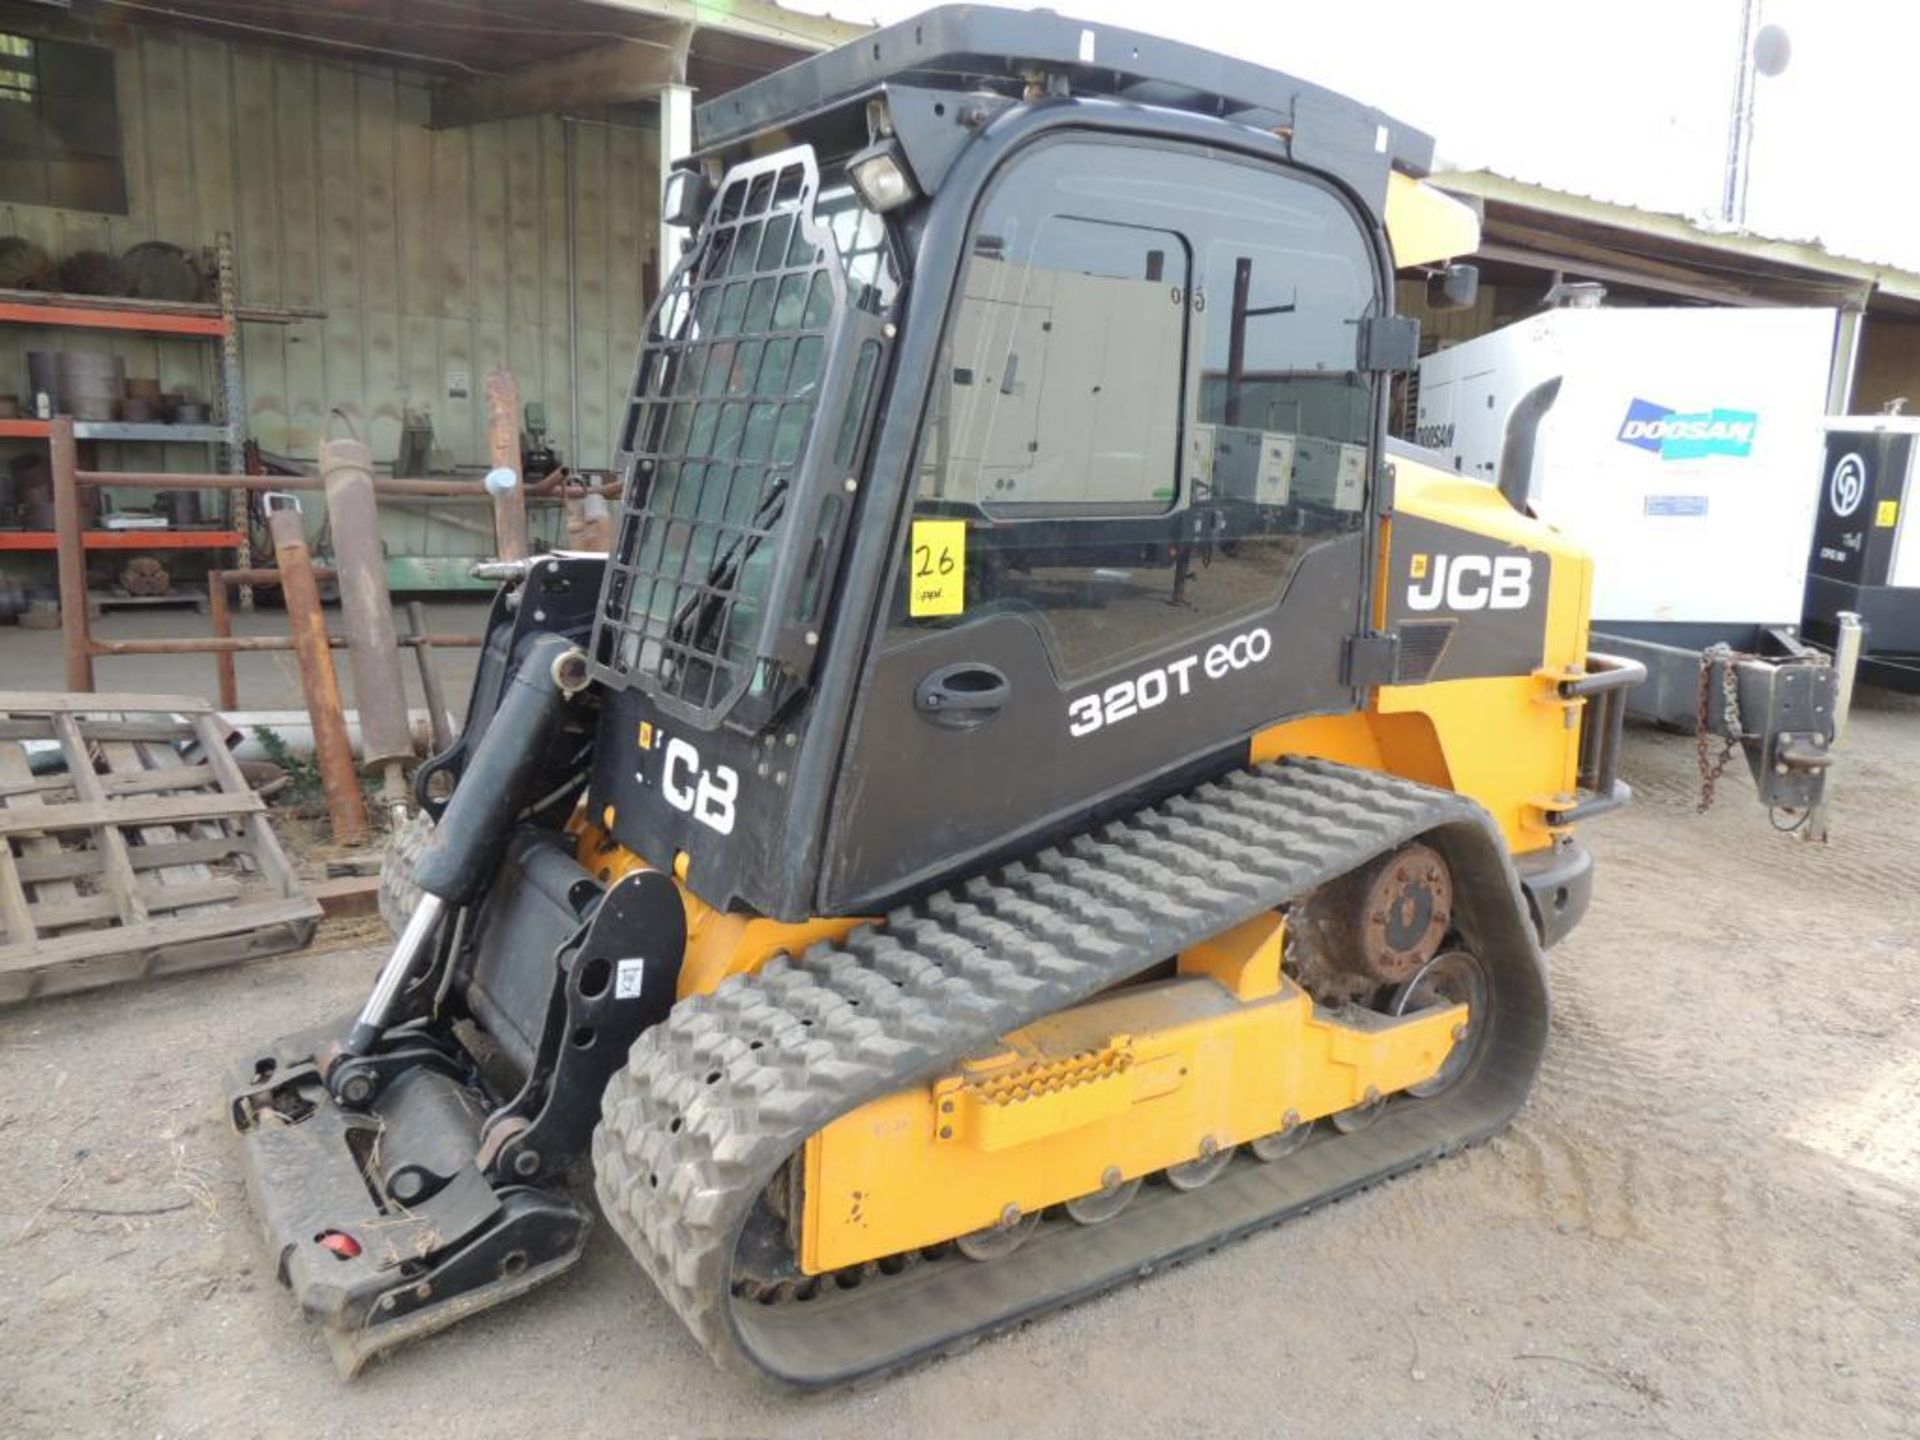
{"x":724,"y":399}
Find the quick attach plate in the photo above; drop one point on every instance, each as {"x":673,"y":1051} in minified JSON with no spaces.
{"x":372,"y":1271}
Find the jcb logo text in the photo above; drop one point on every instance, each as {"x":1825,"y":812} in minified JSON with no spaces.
{"x":1470,"y":582}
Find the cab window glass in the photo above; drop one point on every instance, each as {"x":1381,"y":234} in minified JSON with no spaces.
{"x":1145,"y":411}
{"x":1060,"y":389}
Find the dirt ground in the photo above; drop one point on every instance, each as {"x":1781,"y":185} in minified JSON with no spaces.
{"x":1704,"y":1224}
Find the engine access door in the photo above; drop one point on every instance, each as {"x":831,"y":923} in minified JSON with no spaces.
{"x":1138,"y":525}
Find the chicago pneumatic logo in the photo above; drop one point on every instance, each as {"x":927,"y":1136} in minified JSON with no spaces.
{"x":1691,"y":436}
{"x":1847,"y":486}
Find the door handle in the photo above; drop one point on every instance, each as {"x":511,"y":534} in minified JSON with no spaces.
{"x":963,"y":696}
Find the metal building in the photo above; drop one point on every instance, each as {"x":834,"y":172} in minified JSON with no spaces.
{"x":415,"y":193}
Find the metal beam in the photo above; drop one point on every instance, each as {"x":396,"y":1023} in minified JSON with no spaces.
{"x":1622,"y":272}
{"x":1550,"y":241}
{"x":610,"y":74}
{"x":755,"y":19}
{"x":1576,"y":268}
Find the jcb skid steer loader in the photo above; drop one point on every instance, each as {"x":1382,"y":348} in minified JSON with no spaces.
{"x":1038,"y":771}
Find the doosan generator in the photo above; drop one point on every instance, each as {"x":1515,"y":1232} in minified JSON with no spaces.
{"x":1677,"y":444}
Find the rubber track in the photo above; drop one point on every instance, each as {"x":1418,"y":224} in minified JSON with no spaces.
{"x":713,"y":1100}
{"x":398,"y":894}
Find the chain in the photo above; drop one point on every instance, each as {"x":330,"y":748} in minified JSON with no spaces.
{"x":1711,"y":769}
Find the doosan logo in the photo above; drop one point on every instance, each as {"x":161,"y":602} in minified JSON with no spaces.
{"x":1675,"y":436}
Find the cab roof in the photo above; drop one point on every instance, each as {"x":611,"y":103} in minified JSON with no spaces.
{"x":965,"y":48}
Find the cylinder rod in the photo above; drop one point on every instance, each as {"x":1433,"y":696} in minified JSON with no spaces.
{"x":372,"y":1024}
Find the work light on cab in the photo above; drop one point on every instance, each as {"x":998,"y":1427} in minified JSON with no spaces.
{"x":684,"y":198}
{"x":881,"y":175}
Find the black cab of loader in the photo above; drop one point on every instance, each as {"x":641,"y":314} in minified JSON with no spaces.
{"x":962,"y":408}
{"x":1006,"y":451}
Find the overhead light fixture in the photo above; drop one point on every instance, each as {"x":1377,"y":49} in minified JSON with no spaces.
{"x":684,"y":198}
{"x":882,"y":176}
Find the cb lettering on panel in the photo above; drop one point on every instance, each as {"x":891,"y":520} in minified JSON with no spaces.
{"x":708,"y":795}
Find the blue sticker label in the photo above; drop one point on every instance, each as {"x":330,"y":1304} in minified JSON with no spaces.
{"x":1675,"y":436}
{"x":1693,"y":505}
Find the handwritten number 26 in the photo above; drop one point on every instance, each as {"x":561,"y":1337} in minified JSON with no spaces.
{"x":926,"y":564}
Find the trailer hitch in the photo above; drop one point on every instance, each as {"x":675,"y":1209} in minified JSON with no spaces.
{"x":1780,"y":714}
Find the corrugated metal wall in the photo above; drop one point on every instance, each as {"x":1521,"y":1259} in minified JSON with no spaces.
{"x":435,"y":254}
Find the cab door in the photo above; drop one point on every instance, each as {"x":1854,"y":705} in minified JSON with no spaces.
{"x":1138,"y":528}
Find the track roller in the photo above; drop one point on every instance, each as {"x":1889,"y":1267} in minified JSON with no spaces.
{"x":1113,"y":1196}
{"x":1282,"y":1143}
{"x":1214,"y":1159}
{"x":996,"y":1242}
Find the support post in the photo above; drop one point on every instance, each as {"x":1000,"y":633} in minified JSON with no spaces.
{"x":233,"y":405}
{"x":1846,"y":356}
{"x":70,"y":547}
{"x":438,"y":725}
{"x":332,"y":748}
{"x":589,"y":523}
{"x":503,"y":454}
{"x":223,"y":667}
{"x":1849,"y":639}
{"x":373,"y":654}
{"x":676,"y":142}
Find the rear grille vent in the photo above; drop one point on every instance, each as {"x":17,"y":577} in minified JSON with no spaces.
{"x":1422,"y":643}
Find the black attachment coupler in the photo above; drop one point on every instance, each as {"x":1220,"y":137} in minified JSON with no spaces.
{"x":496,"y":786}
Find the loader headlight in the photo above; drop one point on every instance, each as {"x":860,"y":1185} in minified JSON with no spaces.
{"x":882,"y":176}
{"x":684,"y":198}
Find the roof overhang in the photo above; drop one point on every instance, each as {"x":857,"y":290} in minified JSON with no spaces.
{"x":495,"y":59}
{"x":1582,"y":238}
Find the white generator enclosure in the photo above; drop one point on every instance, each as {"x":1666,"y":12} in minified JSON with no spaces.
{"x":1678,"y":450}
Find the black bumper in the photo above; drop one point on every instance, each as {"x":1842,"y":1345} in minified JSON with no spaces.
{"x":371,"y":1271}
{"x":1559,"y":886}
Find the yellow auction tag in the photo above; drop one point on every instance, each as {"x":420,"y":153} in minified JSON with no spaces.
{"x":938,"y":568}
{"x":1887,"y":515}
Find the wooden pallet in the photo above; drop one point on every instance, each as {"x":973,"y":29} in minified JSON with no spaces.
{"x":134,"y":860}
